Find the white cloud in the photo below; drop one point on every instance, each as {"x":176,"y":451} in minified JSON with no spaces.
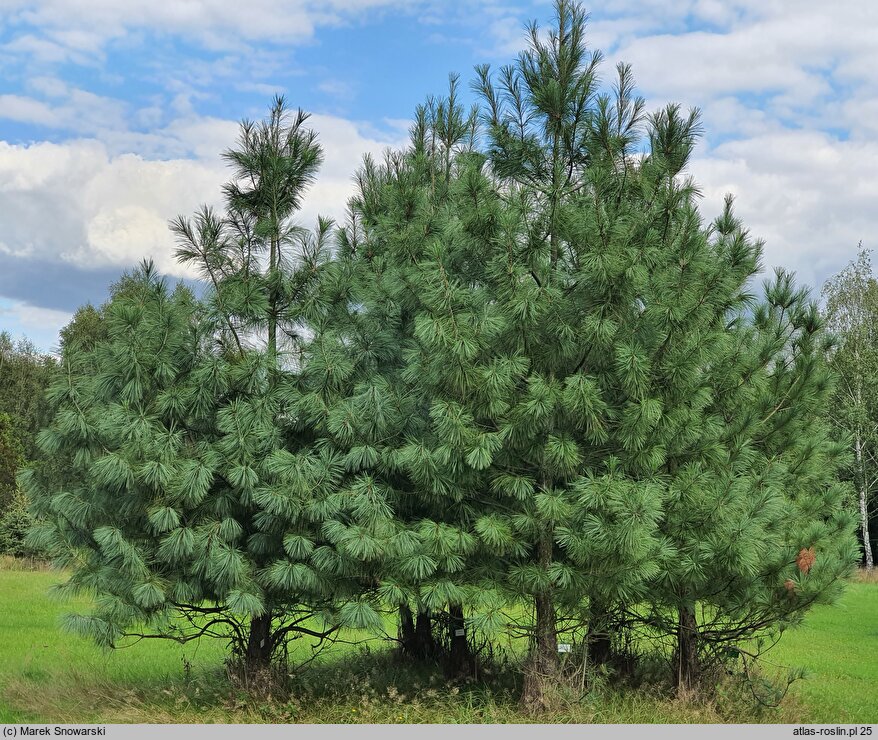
{"x":84,"y":204}
{"x":77,"y":26}
{"x":39,"y":325}
{"x":41,"y":50}
{"x":27,"y":110}
{"x":809,"y":196}
{"x":35,"y":318}
{"x":72,"y":109}
{"x":764,"y":47}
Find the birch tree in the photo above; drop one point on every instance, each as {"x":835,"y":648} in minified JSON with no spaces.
{"x":852,"y":313}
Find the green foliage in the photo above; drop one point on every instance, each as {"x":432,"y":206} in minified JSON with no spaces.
{"x":526,"y":372}
{"x":24,"y":375}
{"x":84,"y":331}
{"x":15,"y":523}
{"x":851,"y":313}
{"x":11,"y":459}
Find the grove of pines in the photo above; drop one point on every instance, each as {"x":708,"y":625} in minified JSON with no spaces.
{"x":525,"y":389}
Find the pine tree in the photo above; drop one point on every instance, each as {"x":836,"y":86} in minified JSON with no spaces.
{"x":192,"y":499}
{"x":609,"y":416}
{"x":400,"y":206}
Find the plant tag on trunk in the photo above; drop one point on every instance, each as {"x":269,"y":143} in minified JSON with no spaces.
{"x":459,"y":633}
{"x":563,"y":647}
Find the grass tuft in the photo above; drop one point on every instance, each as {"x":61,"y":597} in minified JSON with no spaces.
{"x":10,"y":563}
{"x":867,"y":576}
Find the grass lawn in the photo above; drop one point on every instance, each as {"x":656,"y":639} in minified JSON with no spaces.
{"x":49,"y":676}
{"x":34,"y":652}
{"x":838,"y":648}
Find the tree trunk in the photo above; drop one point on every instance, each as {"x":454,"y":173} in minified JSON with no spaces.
{"x":460,"y":660}
{"x":864,"y":502}
{"x":599,"y":637}
{"x":406,"y":628}
{"x":542,"y":669}
{"x":687,"y":650}
{"x":417,"y":636}
{"x":259,"y":644}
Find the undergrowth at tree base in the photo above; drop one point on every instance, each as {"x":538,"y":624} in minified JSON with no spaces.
{"x":380,"y":688}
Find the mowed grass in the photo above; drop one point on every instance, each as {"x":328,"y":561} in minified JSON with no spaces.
{"x":35,"y":654}
{"x":838,"y":648}
{"x":49,"y":676}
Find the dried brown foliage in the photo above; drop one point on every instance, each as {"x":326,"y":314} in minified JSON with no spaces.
{"x":805,"y":559}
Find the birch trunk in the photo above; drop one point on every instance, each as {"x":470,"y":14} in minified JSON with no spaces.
{"x":864,"y":507}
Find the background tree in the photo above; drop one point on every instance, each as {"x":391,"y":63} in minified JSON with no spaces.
{"x":24,"y":376}
{"x":851,"y":308}
{"x":11,"y":459}
{"x":84,"y":331}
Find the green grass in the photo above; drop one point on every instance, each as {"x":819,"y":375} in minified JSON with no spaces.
{"x":35,"y":652}
{"x":838,"y":648}
{"x":49,"y":676}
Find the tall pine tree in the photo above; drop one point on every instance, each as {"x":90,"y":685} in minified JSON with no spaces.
{"x":609,"y":414}
{"x":192,"y":499}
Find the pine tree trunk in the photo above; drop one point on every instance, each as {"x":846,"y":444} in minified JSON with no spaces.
{"x":417,"y":636}
{"x":406,"y":629}
{"x":864,"y":505}
{"x":259,"y":644}
{"x":460,"y":660}
{"x":687,"y":650}
{"x":425,"y":643}
{"x":542,"y":669}
{"x":599,"y":638}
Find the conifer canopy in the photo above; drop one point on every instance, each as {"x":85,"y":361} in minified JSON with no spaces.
{"x":525,"y":386}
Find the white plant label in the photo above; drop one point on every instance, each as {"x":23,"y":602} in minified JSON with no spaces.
{"x":459,"y":633}
{"x":563,"y":647}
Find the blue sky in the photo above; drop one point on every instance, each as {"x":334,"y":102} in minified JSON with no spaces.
{"x":113,"y":115}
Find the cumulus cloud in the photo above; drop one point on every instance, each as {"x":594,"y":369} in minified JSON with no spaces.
{"x":79,"y":203}
{"x":70,"y":202}
{"x":809,"y":196}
